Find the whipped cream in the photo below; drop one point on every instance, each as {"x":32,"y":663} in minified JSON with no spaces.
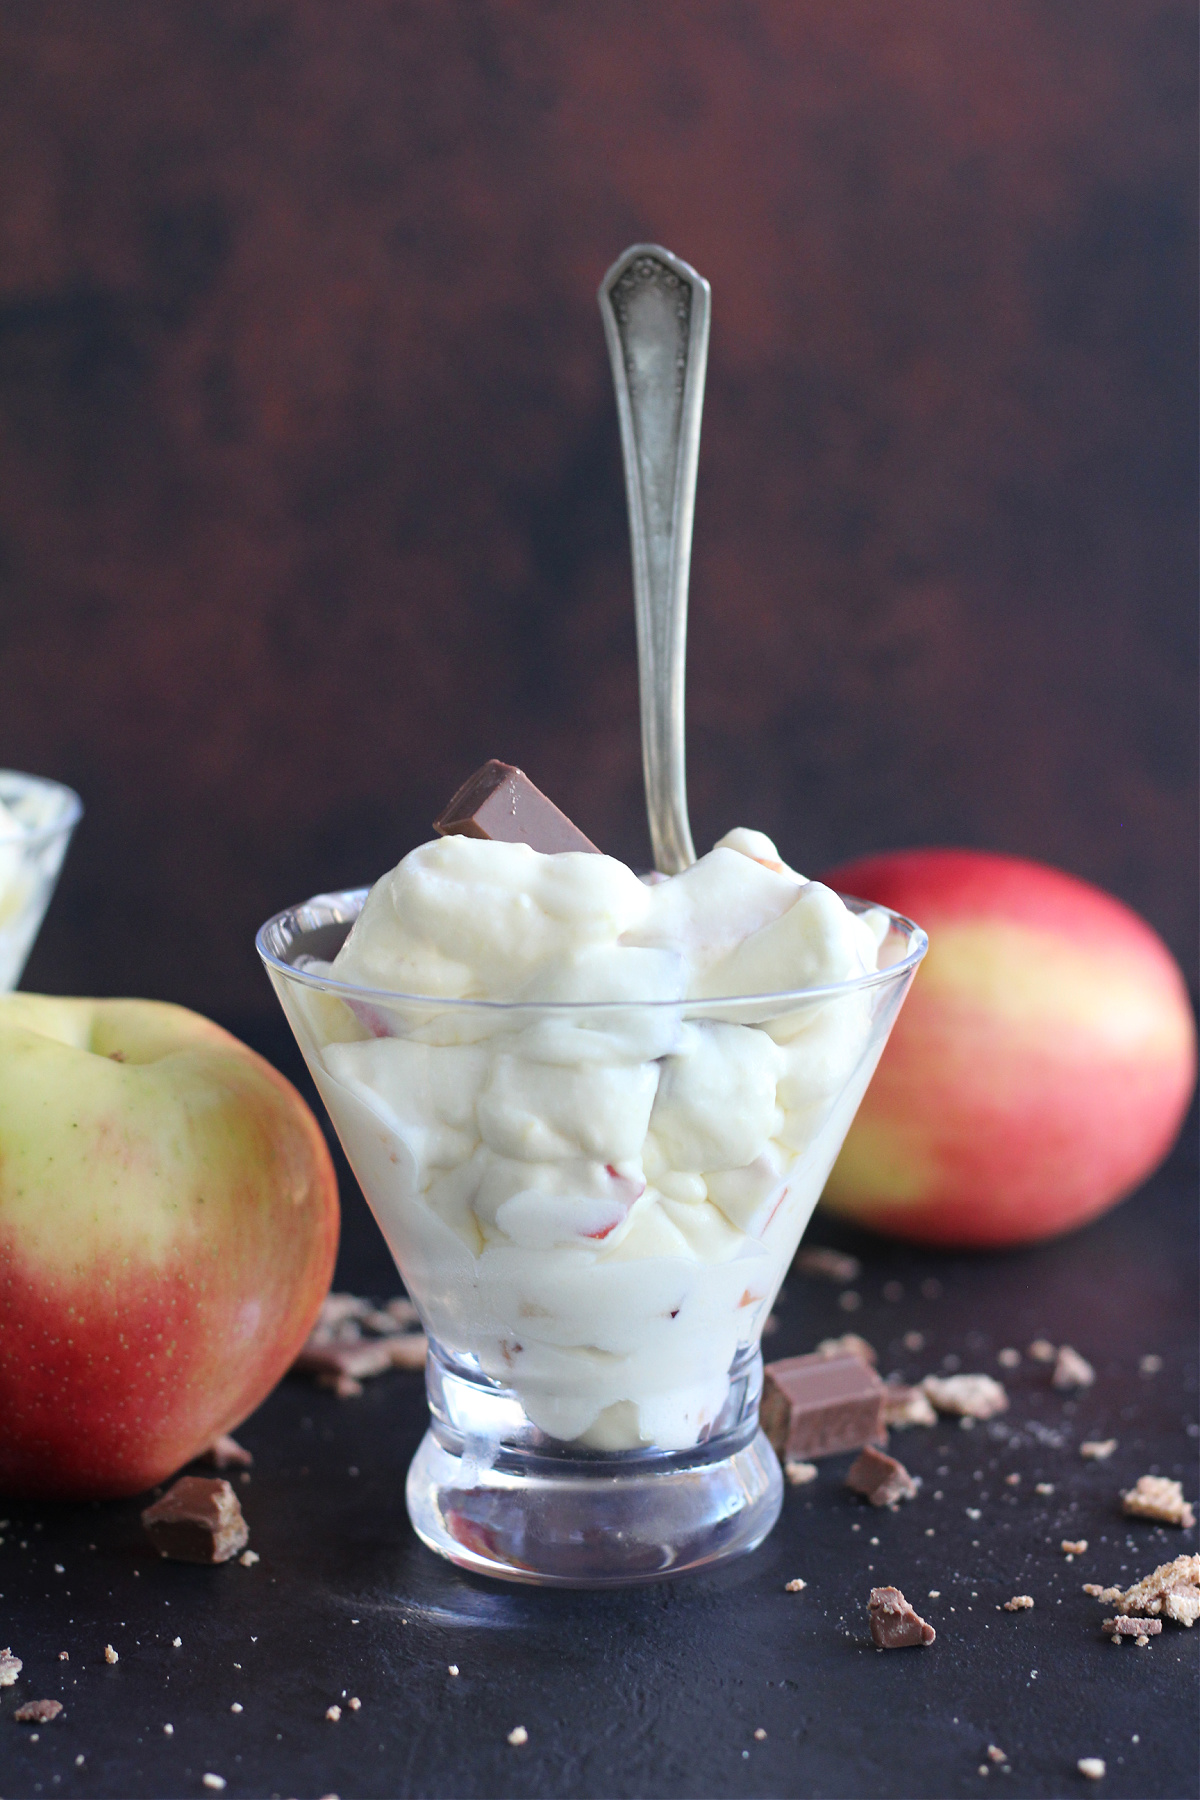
{"x":594,"y":1203}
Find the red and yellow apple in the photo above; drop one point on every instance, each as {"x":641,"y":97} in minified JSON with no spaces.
{"x":1042,"y":1064}
{"x":168,"y":1227}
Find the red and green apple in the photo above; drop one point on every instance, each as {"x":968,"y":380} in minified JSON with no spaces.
{"x":1042,"y":1064}
{"x":168,"y":1227}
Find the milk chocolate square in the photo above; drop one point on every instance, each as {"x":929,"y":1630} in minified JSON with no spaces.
{"x":817,"y":1405}
{"x":501,"y":803}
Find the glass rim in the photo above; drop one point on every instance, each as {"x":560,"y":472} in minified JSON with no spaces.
{"x":69,"y":817}
{"x":348,"y":990}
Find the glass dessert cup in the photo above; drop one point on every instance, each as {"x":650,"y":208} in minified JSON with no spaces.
{"x":30,"y":859}
{"x":594,"y":1311}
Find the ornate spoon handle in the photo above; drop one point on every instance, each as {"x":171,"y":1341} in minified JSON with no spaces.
{"x":656,"y":312}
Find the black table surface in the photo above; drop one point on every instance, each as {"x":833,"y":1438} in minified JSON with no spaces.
{"x":662,"y":1690}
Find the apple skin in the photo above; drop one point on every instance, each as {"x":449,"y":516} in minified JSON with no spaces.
{"x":1042,"y":1064}
{"x":168,"y":1228}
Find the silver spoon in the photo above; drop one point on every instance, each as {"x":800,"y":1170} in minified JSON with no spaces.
{"x":656,"y":312}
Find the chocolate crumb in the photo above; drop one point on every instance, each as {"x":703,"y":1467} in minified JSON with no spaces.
{"x":38,"y":1712}
{"x":1072,"y":1370}
{"x":10,"y":1668}
{"x":1019,"y":1603}
{"x":197,"y":1520}
{"x":894,"y":1624}
{"x":1158,"y":1497}
{"x":880,"y":1478}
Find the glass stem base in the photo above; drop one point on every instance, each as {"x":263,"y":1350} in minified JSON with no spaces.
{"x":556,"y":1522}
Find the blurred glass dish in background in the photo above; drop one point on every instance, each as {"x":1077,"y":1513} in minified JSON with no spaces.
{"x":37,"y":818}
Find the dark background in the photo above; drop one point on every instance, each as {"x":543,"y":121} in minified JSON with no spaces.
{"x":310,"y":493}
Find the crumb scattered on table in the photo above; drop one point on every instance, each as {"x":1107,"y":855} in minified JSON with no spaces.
{"x":1092,"y":1767}
{"x":1073,"y":1546}
{"x":217,"y":1782}
{"x":849,"y":1344}
{"x":995,"y":1754}
{"x":1072,"y":1370}
{"x":110,"y":1655}
{"x":1098,"y":1449}
{"x":38,"y":1712}
{"x":1158,"y":1497}
{"x":795,"y":1586}
{"x":226,"y":1453}
{"x":1019,"y":1603}
{"x":966,"y":1396}
{"x":518,"y":1736}
{"x":1150,"y":1365}
{"x":799,"y":1474}
{"x":10,"y":1668}
{"x":1044,"y":1487}
{"x":904,"y":1406}
{"x":830,"y":1265}
{"x":1009,"y":1358}
{"x":1172,"y":1591}
{"x":1041,"y":1350}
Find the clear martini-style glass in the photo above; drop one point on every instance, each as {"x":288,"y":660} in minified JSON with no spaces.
{"x":594,"y":1414}
{"x":31,"y":855}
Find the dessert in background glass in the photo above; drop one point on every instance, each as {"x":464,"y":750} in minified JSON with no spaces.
{"x":593,"y":1159}
{"x":37,"y":818}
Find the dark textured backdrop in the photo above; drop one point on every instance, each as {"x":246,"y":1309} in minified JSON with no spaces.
{"x":310,"y":495}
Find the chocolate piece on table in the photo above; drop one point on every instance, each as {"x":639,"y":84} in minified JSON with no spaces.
{"x":880,"y":1478}
{"x":817,"y":1405}
{"x":894,"y":1624}
{"x":38,"y":1712}
{"x":501,"y":803}
{"x":1131,"y":1627}
{"x":198,"y":1521}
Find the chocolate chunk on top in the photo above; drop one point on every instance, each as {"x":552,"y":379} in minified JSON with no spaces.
{"x":880,"y":1478}
{"x":501,"y":803}
{"x":894,"y":1624}
{"x":817,"y":1405}
{"x":198,"y":1521}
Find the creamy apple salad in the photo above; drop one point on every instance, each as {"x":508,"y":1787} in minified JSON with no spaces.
{"x":595,"y":1136}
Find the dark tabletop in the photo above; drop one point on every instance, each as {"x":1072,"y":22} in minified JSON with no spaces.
{"x":661,"y":1690}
